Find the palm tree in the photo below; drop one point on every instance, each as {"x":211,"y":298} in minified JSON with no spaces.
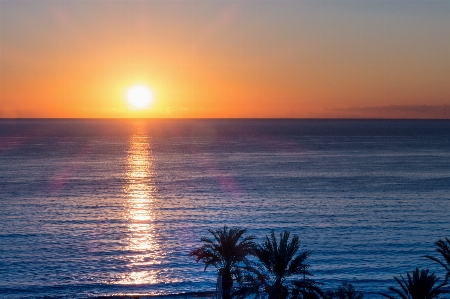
{"x":443,"y":247}
{"x":225,"y":251}
{"x":420,"y":286}
{"x":344,"y":291}
{"x":278,"y":262}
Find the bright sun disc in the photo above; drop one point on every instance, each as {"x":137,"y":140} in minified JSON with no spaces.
{"x":139,"y":97}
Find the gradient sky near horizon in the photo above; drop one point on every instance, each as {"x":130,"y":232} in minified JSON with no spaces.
{"x":368,"y":59}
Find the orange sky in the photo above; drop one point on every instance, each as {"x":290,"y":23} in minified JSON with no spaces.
{"x":226,"y":58}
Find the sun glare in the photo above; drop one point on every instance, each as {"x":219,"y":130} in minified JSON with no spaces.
{"x":139,"y":97}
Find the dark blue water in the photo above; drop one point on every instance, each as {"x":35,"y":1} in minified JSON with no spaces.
{"x":95,"y":207}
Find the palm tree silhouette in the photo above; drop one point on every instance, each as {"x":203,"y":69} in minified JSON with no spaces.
{"x":443,"y":247}
{"x":278,"y":262}
{"x":344,"y":291}
{"x":421,"y":285}
{"x":225,"y":251}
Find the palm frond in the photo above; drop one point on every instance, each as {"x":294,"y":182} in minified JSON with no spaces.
{"x":345,"y":291}
{"x":387,"y":295}
{"x":298,"y":265}
{"x":419,"y":285}
{"x":443,"y":248}
{"x":309,"y":288}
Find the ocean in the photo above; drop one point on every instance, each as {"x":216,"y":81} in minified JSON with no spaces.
{"x":100,"y":207}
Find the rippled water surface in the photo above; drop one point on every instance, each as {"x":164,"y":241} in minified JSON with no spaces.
{"x":93,"y":207}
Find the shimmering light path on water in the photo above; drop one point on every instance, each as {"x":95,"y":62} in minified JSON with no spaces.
{"x":98,"y":207}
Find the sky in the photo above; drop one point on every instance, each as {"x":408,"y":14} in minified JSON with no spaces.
{"x":227,"y":59}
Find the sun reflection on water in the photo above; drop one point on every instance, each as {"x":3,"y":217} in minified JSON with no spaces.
{"x":141,"y":245}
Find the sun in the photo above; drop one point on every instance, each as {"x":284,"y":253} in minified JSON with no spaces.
{"x":139,"y":97}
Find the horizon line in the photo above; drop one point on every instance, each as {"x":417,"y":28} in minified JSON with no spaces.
{"x":216,"y":118}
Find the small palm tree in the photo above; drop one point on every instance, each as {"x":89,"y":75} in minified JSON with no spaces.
{"x":279,"y":261}
{"x":225,"y":251}
{"x":443,"y":247}
{"x":420,"y":285}
{"x":345,"y":291}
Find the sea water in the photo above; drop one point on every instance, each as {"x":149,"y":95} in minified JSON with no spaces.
{"x":101,"y":207}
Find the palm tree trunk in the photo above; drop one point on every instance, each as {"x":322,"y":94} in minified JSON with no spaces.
{"x":278,"y":290}
{"x":227,"y":283}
